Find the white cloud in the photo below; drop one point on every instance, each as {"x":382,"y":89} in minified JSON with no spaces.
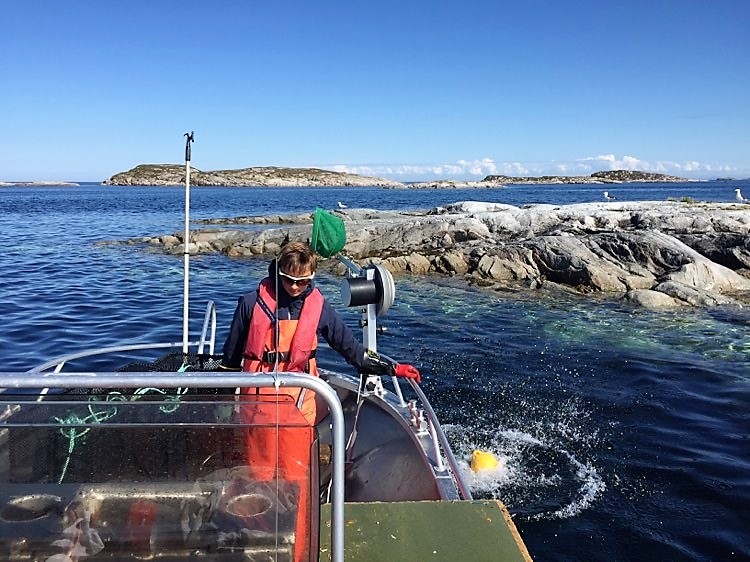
{"x":613,"y":163}
{"x":601,"y":158}
{"x":479,"y":168}
{"x":630,"y":163}
{"x":690,"y":167}
{"x":463,"y":168}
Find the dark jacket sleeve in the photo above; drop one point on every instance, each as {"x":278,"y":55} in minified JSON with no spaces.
{"x":339,"y":336}
{"x":234,"y":345}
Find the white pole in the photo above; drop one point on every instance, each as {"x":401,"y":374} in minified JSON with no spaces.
{"x":186,"y":244}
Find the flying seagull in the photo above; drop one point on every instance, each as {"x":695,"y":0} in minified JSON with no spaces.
{"x":739,"y":197}
{"x":342,"y":205}
{"x":609,"y":197}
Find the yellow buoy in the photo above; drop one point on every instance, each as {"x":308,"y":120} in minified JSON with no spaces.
{"x":482,"y":460}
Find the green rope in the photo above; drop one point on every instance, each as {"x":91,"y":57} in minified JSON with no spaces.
{"x":73,"y":433}
{"x":99,"y":416}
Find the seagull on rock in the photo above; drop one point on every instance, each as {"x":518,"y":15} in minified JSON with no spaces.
{"x":342,"y":205}
{"x":739,"y":197}
{"x":608,"y":197}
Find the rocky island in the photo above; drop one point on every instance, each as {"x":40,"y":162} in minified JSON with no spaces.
{"x":608,"y":176}
{"x":38,"y":184}
{"x":271,"y":176}
{"x":656,"y":254}
{"x":266,"y":176}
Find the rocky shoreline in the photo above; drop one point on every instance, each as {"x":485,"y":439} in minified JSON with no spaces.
{"x":654,"y":254}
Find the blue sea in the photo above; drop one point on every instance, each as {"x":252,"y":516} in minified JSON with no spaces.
{"x":625,"y":433}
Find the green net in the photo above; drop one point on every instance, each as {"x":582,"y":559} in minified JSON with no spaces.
{"x":328,"y":234}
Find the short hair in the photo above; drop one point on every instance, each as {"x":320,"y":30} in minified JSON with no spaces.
{"x":297,"y":258}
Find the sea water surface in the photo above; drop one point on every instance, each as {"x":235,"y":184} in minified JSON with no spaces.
{"x":624,"y":432}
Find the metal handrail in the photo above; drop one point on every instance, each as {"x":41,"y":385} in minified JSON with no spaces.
{"x":437,"y":436}
{"x":59,"y":362}
{"x":209,"y":321}
{"x":195,"y":379}
{"x":436,"y":431}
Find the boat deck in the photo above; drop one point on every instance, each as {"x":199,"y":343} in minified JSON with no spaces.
{"x":479,"y":530}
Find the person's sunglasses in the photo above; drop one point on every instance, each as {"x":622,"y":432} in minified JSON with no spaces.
{"x":299,"y":281}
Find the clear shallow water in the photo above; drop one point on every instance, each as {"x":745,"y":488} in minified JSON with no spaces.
{"x":624,"y":433}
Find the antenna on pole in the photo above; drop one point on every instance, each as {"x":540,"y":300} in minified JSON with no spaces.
{"x":186,"y":244}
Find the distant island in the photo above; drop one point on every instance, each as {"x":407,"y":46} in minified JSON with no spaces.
{"x":272,"y":176}
{"x":610,"y":176}
{"x":265,"y":176}
{"x":38,"y":184}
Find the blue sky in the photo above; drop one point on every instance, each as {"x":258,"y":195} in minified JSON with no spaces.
{"x":401,"y":89}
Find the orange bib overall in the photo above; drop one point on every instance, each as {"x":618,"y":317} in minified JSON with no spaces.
{"x":274,"y":451}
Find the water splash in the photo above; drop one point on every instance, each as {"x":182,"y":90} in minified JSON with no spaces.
{"x":536,"y":476}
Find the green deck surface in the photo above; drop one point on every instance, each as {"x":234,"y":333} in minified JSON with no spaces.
{"x":450,"y":531}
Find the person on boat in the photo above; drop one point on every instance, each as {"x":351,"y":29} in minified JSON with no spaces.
{"x":250,"y":345}
{"x":276,"y":328}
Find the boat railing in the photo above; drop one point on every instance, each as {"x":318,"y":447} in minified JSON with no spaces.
{"x":440,"y":442}
{"x":208,"y":333}
{"x":426,"y":416}
{"x":35,"y":380}
{"x":207,"y":338}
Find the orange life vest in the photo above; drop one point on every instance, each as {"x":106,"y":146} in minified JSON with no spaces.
{"x":292,"y":343}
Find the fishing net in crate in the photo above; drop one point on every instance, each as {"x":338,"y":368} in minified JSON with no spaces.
{"x":175,"y":362}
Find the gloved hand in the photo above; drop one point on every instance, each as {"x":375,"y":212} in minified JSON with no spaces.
{"x":375,"y":364}
{"x":407,"y":372}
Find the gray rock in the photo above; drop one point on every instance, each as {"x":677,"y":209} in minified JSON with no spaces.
{"x":692,"y":295}
{"x":451,"y":263}
{"x":653,"y":300}
{"x":693,"y":254}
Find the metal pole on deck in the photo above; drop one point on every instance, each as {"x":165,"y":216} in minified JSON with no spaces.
{"x":186,"y":243}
